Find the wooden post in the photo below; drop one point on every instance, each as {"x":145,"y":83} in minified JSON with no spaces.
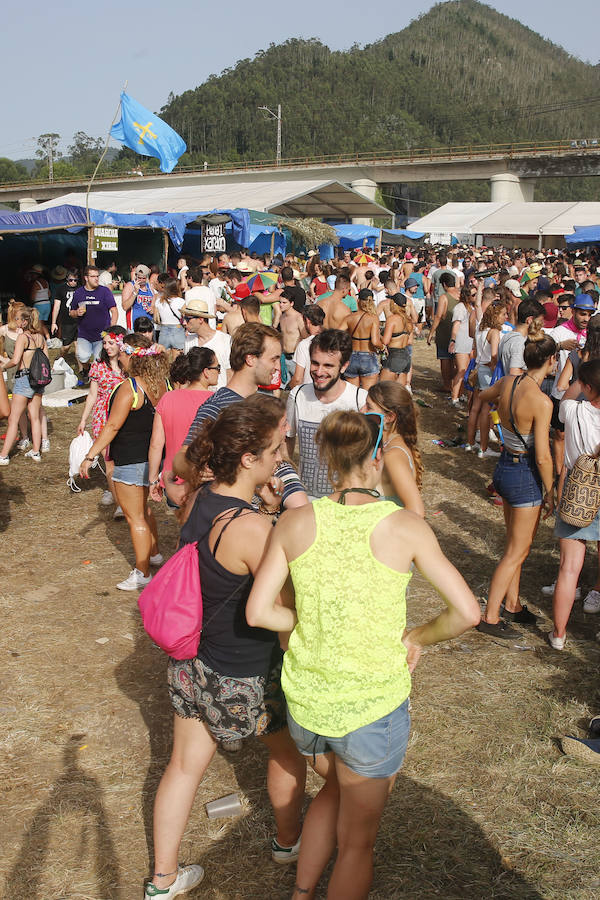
{"x":165,"y":250}
{"x":379,"y":240}
{"x":272,"y":246}
{"x":90,"y":245}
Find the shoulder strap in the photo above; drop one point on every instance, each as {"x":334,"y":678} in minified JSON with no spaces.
{"x":357,"y":324}
{"x":217,"y":519}
{"x":516,"y":431}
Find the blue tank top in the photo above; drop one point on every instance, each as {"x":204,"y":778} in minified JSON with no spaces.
{"x":143,"y":303}
{"x":418,"y":276}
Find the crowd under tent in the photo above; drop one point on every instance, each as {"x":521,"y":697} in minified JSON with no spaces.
{"x":508,"y":223}
{"x":62,"y":234}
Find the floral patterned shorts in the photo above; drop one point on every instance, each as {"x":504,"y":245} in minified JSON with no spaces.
{"x":230,"y":707}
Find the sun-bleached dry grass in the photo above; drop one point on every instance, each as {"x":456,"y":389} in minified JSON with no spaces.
{"x":485,"y":807}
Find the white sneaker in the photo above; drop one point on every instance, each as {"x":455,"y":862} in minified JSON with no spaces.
{"x":591,"y":604}
{"x":45,"y":448}
{"x":285,"y":855}
{"x":36,"y":456}
{"x":157,"y":560}
{"x":134,"y":581}
{"x":557,"y":643}
{"x":455,"y":404}
{"x":548,"y":591}
{"x":187,"y":878}
{"x":118,"y":513}
{"x":487,"y":454}
{"x":23,"y":444}
{"x":492,"y":436}
{"x":106,"y":499}
{"x":4,"y":460}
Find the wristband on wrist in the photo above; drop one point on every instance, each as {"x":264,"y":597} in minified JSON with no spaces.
{"x":152,"y":483}
{"x":92,"y":458}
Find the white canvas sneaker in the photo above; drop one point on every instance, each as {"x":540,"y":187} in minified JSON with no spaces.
{"x":134,"y":582}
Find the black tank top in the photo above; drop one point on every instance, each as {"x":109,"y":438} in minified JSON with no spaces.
{"x":228,"y":645}
{"x":132,"y":442}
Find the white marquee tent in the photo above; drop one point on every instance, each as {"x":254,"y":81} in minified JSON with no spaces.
{"x":320,"y":199}
{"x":505,"y":219}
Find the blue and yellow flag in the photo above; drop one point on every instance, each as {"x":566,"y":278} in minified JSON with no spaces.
{"x":142,"y":131}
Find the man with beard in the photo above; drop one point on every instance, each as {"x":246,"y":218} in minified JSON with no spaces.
{"x":308,"y":404}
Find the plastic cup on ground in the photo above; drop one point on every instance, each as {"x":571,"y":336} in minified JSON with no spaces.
{"x":224,"y":806}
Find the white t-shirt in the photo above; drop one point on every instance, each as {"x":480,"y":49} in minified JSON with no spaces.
{"x":201,"y":292}
{"x":166,"y":311}
{"x":560,"y":334}
{"x":305,"y":412}
{"x":220,"y":344}
{"x":582,"y":429}
{"x":484,"y":349}
{"x":302,"y":357}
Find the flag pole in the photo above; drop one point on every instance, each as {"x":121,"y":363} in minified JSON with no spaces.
{"x":104,"y":152}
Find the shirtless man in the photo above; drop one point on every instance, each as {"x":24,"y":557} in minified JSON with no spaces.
{"x":292,"y":328}
{"x":335,"y":307}
{"x":232,"y":320}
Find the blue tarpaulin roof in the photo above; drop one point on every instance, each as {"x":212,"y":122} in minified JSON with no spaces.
{"x":588,"y":234}
{"x":73,"y":218}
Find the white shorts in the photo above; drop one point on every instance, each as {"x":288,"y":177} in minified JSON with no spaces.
{"x":419,"y":305}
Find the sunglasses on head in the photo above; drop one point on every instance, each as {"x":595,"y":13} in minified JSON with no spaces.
{"x":380,"y":434}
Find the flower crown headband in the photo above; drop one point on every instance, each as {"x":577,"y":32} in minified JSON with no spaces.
{"x":154,"y":350}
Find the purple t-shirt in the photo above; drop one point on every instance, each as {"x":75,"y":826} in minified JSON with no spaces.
{"x":98,"y":304}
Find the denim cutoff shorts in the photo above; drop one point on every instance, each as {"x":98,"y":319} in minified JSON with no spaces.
{"x":362,"y":362}
{"x":133,"y":473}
{"x":172,"y":337}
{"x":517,"y":480}
{"x":375,"y":751}
{"x":484,"y":376}
{"x":22,"y":387}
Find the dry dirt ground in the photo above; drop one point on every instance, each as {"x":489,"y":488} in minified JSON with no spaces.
{"x":486,"y":805}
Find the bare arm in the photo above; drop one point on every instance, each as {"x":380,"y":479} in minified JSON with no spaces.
{"x":564,"y":379}
{"x":119,"y":412}
{"x":297,"y":378}
{"x":262,"y":608}
{"x":376,"y":334}
{"x":20,"y":346}
{"x":157,"y":443}
{"x":462,"y":609}
{"x":441,"y":312}
{"x":89,"y":405}
{"x":543,"y":456}
{"x":493,"y":338}
{"x":128,"y":296}
{"x":114,"y":314}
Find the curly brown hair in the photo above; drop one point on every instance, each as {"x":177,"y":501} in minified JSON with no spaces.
{"x":394,"y":399}
{"x":245,"y":427}
{"x":153,"y":370}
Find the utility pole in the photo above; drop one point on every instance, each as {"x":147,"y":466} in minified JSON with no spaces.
{"x":277,"y":116}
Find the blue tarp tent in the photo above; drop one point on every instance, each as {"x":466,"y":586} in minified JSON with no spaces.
{"x":73,"y":219}
{"x":352,"y":236}
{"x":588,"y":234}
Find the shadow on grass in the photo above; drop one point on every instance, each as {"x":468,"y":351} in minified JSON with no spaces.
{"x":77,"y":792}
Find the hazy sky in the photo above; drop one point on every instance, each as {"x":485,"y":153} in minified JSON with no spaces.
{"x":65,"y":64}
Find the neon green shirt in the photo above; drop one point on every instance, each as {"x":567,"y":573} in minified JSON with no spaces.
{"x":346,"y":664}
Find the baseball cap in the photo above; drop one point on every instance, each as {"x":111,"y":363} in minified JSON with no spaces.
{"x":513,"y":286}
{"x":142,"y":270}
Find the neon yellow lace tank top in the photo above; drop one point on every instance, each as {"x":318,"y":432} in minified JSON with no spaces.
{"x":346,"y":664}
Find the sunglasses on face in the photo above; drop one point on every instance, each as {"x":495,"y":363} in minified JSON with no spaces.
{"x":380,"y":435}
{"x":216,"y":368}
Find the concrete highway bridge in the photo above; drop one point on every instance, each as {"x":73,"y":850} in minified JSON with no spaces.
{"x":512,"y":170}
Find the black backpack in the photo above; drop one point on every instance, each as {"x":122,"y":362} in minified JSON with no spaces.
{"x":40,"y":371}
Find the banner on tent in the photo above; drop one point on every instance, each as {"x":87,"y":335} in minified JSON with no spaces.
{"x":106,"y":239}
{"x":213,"y":238}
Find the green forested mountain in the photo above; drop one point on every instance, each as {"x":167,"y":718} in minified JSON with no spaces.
{"x":462,"y":73}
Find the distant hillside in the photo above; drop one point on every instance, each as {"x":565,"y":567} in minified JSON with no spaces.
{"x":462,"y":73}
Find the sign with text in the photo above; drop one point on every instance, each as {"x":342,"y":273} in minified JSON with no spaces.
{"x":213,"y":238}
{"x":106,"y":239}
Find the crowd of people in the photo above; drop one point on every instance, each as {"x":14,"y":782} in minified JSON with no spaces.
{"x":268,"y":403}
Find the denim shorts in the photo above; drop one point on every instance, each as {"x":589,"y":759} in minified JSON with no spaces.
{"x":87,"y":350}
{"x":133,"y":473}
{"x":399,"y":360}
{"x":22,"y":387}
{"x":374,"y":751}
{"x":517,"y":480}
{"x":362,"y":362}
{"x":484,"y":376}
{"x":589,"y":532}
{"x":172,"y":337}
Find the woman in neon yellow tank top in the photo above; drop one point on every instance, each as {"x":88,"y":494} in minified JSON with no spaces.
{"x":346,"y":673}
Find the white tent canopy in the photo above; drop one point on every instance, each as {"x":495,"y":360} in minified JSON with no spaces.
{"x":509,"y":218}
{"x":289,"y":198}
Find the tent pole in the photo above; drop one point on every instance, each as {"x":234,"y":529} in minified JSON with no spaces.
{"x":91,"y":181}
{"x":165,"y":249}
{"x":272,"y":246}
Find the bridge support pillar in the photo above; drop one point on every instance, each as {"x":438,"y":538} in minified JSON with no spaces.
{"x":510,"y":188}
{"x":27,"y":203}
{"x":367,"y":188}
